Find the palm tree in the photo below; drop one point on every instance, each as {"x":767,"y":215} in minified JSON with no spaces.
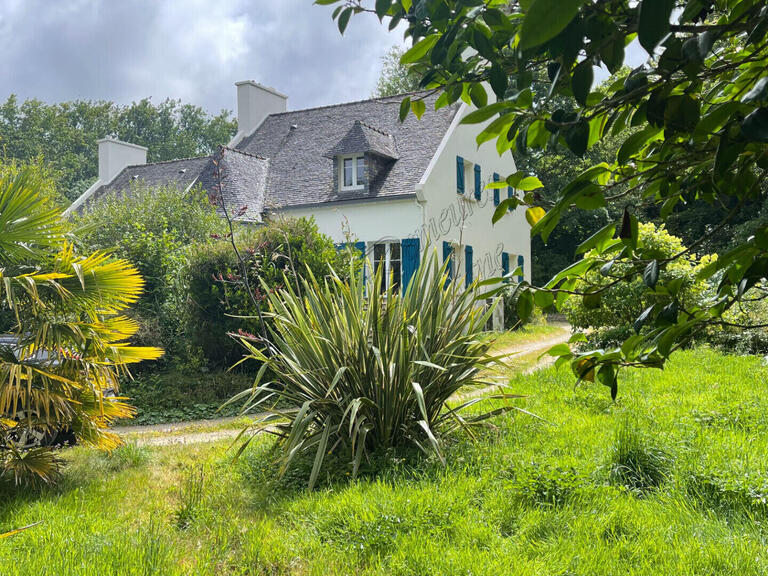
{"x":63,"y":334}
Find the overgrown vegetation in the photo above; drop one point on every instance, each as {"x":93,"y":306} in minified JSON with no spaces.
{"x":356,"y":368}
{"x":64,"y":336}
{"x":535,"y":494}
{"x":693,"y":125}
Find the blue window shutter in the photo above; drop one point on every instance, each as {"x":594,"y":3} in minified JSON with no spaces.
{"x":478,"y":183}
{"x":521,"y":265}
{"x":496,"y":191}
{"x":411,"y":253}
{"x":361,"y":246}
{"x":510,"y":192}
{"x":459,"y":174}
{"x":468,"y":265}
{"x":505,"y":265}
{"x":447,"y":249}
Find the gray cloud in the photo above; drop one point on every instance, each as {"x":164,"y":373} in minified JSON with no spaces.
{"x":124,"y":50}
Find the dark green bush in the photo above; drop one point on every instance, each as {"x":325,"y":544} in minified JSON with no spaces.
{"x":219,"y":303}
{"x":152,"y":228}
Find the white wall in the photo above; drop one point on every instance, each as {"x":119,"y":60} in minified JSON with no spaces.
{"x":366,"y":221}
{"x":460,"y":219}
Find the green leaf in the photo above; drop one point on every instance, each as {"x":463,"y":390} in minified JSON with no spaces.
{"x":581,"y":82}
{"x":543,"y":299}
{"x":405,"y":107}
{"x":546,"y":19}
{"x":755,"y":125}
{"x":759,"y":92}
{"x":577,"y":137}
{"x":529,"y":183}
{"x":418,"y":108}
{"x":525,"y":305}
{"x":419,"y":50}
{"x":651,"y":274}
{"x":343,"y":20}
{"x":484,"y":113}
{"x":561,"y":349}
{"x":382,"y":6}
{"x":635,"y":142}
{"x":597,"y":239}
{"x":681,"y":113}
{"x":653,"y":22}
{"x":499,"y":81}
{"x":478,"y":95}
{"x":642,"y":319}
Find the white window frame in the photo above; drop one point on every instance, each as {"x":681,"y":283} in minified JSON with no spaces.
{"x":355,"y":184}
{"x":387,"y":260}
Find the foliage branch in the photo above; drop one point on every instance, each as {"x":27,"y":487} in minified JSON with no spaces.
{"x":693,"y":119}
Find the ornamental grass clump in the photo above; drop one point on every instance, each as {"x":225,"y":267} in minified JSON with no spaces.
{"x":356,"y":367}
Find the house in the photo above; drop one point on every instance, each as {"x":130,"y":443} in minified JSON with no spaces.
{"x":360,"y":172}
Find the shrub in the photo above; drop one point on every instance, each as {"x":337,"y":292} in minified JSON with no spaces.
{"x":152,"y":228}
{"x":358,"y":368}
{"x":635,"y":462}
{"x":219,"y":303}
{"x":618,"y":306}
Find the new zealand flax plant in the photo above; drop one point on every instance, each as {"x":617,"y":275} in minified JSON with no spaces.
{"x":354,"y":367}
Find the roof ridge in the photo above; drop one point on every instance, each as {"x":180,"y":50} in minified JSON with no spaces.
{"x":244,"y":153}
{"x":167,"y":161}
{"x":379,"y":130}
{"x":377,"y":98}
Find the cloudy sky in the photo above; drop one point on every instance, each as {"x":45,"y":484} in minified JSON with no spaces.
{"x":195,"y":50}
{"x":124,"y":50}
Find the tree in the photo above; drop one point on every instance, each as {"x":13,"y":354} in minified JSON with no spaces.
{"x":395,"y":78}
{"x":65,"y":134}
{"x":64,"y":333}
{"x":693,"y":121}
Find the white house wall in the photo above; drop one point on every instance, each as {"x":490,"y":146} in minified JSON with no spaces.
{"x":369,"y":221}
{"x":462,"y":220}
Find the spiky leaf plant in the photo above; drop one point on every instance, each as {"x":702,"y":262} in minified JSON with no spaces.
{"x":63,"y":334}
{"x":357,"y":367}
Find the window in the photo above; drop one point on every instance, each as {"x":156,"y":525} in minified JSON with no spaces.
{"x":352,"y":175}
{"x":388,"y":255}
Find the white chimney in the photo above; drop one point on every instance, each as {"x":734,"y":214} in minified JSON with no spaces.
{"x":115,"y":155}
{"x":254,"y":103}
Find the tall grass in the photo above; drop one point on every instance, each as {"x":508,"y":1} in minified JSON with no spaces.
{"x":364,"y":368}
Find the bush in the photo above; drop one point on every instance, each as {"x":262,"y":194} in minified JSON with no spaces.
{"x":363,"y":369}
{"x":152,"y":228}
{"x":615,"y":310}
{"x":219,"y":303}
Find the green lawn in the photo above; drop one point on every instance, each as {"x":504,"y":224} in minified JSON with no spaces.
{"x":547,"y":497}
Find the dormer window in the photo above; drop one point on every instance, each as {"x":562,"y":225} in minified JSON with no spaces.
{"x":352,"y":175}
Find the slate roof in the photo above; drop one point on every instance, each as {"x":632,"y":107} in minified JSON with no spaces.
{"x":364,"y":138}
{"x":182,"y":173}
{"x":289,"y":159}
{"x":297,"y":142}
{"x":244,"y":179}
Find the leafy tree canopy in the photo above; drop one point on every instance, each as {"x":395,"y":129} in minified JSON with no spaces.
{"x":65,"y":134}
{"x":693,"y":121}
{"x":395,"y":78}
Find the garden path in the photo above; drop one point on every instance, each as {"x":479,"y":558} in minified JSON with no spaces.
{"x":520,"y":358}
